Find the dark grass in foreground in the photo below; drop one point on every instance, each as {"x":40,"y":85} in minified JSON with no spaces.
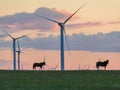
{"x":59,"y":80}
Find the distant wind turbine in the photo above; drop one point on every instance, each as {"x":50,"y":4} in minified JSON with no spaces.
{"x":18,"y":51}
{"x":62,"y":32}
{"x":79,"y":66}
{"x":88,"y":67}
{"x":54,"y":68}
{"x":14,"y":47}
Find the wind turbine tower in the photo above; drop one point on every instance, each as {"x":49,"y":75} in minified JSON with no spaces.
{"x":62,"y":32}
{"x":14,"y":48}
{"x":18,"y":51}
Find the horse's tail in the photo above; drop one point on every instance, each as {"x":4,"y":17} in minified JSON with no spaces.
{"x":33,"y":66}
{"x":97,"y":65}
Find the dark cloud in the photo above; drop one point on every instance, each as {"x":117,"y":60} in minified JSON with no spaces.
{"x":109,"y":42}
{"x":2,"y":35}
{"x":100,"y":42}
{"x":46,"y":43}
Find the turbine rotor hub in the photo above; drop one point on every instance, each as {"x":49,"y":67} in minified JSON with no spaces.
{"x":61,"y":24}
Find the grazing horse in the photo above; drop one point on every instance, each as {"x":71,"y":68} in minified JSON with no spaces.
{"x":39,"y":65}
{"x":102,"y":64}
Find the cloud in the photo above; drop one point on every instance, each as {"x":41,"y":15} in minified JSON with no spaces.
{"x":114,"y":22}
{"x":109,"y":42}
{"x":99,"y":42}
{"x":2,"y":35}
{"x":90,"y":24}
{"x":29,"y":21}
{"x":86,"y":24}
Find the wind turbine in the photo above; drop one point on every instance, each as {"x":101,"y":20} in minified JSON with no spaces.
{"x":62,"y":32}
{"x":18,"y":51}
{"x":88,"y":67}
{"x":54,"y":68}
{"x":79,"y":66}
{"x":14,"y":48}
{"x":44,"y":61}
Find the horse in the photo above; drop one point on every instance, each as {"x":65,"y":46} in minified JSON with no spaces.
{"x":39,"y":65}
{"x":102,"y":64}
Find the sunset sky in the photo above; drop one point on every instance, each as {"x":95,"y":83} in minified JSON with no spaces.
{"x":93,"y":33}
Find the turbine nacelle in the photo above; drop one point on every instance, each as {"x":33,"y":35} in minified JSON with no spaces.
{"x":61,"y":24}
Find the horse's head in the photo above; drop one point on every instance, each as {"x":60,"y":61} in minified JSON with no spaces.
{"x":107,"y":61}
{"x":44,"y":63}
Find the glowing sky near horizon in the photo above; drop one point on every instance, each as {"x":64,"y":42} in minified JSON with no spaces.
{"x":103,"y":12}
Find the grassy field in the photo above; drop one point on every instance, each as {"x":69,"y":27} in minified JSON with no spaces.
{"x":59,"y":80}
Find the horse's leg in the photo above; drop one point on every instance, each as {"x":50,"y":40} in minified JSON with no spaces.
{"x":97,"y":67}
{"x":105,"y":68}
{"x":40,"y":68}
{"x":34,"y":68}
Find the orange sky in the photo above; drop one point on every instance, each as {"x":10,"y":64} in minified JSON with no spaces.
{"x":82,"y":58}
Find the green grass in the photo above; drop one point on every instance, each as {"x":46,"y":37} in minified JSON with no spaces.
{"x":59,"y":80}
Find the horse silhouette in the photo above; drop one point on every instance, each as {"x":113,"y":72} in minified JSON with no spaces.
{"x":102,"y":64}
{"x":39,"y":65}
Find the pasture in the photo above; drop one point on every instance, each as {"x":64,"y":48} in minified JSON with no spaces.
{"x":59,"y":80}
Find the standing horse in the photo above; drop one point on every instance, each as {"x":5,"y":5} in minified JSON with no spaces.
{"x":39,"y":65}
{"x":102,"y":64}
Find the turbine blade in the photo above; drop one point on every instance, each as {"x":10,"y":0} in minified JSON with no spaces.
{"x":12,"y":50}
{"x":13,"y":47}
{"x":18,"y":45}
{"x":67,"y":42}
{"x":56,"y":66}
{"x":74,"y":13}
{"x":8,"y":34}
{"x":44,"y":58}
{"x":21,"y":36}
{"x":47,"y":18}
